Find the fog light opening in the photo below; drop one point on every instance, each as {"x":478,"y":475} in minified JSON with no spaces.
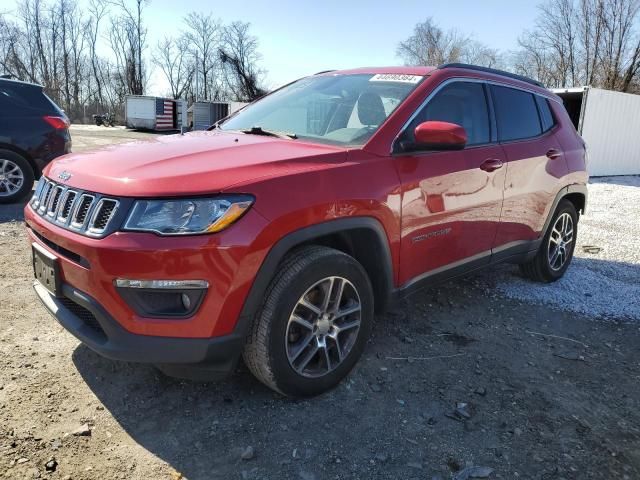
{"x":162,"y":298}
{"x":186,"y":302}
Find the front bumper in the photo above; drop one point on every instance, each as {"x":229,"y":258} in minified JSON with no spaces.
{"x":227,"y":261}
{"x":89,"y":322}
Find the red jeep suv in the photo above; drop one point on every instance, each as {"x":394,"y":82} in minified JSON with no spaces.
{"x":278,"y":234}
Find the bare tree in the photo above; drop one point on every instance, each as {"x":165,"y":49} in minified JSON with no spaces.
{"x":90,"y":54}
{"x":97,"y":11}
{"x":128,"y":40}
{"x":431,"y":45}
{"x":239,"y":56}
{"x":589,"y":42}
{"x":203,"y":34}
{"x":477,"y":53}
{"x":173,"y":59}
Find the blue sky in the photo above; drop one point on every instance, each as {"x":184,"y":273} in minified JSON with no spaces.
{"x":299,"y":37}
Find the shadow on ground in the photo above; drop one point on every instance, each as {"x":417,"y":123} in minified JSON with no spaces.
{"x":538,"y":405}
{"x":13,"y":212}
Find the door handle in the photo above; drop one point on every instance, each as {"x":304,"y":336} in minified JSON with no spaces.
{"x":491,"y":165}
{"x":553,"y":154}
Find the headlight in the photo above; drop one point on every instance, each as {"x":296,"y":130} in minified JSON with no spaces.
{"x":187,"y":216}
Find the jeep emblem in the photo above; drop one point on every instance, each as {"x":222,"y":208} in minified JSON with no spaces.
{"x":64,"y":176}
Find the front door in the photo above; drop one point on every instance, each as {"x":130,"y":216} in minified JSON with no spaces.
{"x":451,"y":200}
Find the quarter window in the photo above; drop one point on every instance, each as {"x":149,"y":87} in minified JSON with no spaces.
{"x":545,"y":113}
{"x":516,"y":114}
{"x":462,"y":103}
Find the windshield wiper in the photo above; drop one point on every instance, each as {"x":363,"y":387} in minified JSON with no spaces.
{"x":268,"y":133}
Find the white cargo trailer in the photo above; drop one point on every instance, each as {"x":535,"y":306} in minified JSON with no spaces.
{"x":155,"y":113}
{"x":609,"y":123}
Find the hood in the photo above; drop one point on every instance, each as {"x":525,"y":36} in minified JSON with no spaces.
{"x":192,"y":164}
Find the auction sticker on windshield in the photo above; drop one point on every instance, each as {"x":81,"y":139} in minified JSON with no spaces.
{"x":395,"y":77}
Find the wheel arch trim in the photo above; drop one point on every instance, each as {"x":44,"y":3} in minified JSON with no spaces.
{"x":576,"y":188}
{"x":279,"y":250}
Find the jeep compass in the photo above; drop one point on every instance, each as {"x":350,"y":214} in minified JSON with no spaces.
{"x":278,"y":234}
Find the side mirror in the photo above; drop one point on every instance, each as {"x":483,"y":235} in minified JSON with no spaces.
{"x":435,"y":135}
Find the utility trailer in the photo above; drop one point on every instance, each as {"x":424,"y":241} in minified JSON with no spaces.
{"x":609,"y":123}
{"x":155,"y":113}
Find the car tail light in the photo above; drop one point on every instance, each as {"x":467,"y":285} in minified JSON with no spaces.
{"x":59,"y":123}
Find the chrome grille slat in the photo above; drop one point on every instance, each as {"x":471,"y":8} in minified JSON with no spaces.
{"x":83,"y":212}
{"x":102,"y":214}
{"x":44,"y":200}
{"x":54,"y":201}
{"x":66,"y":205}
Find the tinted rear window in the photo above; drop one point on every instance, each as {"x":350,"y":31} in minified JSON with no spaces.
{"x":516,"y":114}
{"x":545,"y":113}
{"x":17,"y":97}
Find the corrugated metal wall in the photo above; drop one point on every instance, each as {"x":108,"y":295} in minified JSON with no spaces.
{"x":611,"y":128}
{"x":206,"y":114}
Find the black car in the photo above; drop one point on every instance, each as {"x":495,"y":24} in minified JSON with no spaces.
{"x":33,"y":131}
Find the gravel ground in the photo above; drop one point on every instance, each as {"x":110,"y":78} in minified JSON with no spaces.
{"x":468,"y":378}
{"x":604,"y":277}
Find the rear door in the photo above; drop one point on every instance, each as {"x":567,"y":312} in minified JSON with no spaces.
{"x":450,"y":204}
{"x":526,"y":131}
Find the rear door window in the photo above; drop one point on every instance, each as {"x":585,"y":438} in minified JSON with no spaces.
{"x":516,"y":114}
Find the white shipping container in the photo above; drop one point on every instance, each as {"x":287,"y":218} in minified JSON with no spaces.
{"x":609,"y":123}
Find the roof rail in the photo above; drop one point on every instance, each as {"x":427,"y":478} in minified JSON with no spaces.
{"x":324,"y":71}
{"x":491,"y":70}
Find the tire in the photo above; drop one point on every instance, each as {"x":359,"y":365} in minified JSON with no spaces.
{"x":276,"y":347}
{"x":11,"y":166}
{"x":547,"y":267}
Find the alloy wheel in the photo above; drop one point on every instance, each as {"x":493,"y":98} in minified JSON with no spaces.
{"x":560,"y":241}
{"x":323,"y":327}
{"x":11,"y":178}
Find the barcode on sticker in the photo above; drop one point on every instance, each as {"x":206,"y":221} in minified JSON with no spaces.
{"x":395,"y":77}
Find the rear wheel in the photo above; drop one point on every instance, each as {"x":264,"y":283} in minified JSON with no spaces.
{"x":314,"y":323}
{"x":555,"y":253}
{"x":16,"y":177}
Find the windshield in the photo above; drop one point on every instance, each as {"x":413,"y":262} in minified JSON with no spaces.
{"x":335,"y":109}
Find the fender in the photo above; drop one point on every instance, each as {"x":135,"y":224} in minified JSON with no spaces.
{"x":271,"y":262}
{"x":564,"y":191}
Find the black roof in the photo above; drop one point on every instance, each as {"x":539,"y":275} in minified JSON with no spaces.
{"x":494,"y":71}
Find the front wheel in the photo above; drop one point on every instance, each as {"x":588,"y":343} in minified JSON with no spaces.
{"x":314,"y":324}
{"x":556,"y":251}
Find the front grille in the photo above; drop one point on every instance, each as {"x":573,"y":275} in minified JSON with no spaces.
{"x":86,"y":316}
{"x":87,"y":213}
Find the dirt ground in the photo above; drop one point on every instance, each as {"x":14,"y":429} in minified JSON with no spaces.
{"x":455,"y":377}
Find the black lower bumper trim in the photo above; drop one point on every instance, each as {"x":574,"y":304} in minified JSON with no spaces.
{"x":218,"y":355}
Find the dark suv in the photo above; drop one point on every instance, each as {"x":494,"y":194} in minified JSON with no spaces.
{"x":277,"y":235}
{"x":33,"y":131}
